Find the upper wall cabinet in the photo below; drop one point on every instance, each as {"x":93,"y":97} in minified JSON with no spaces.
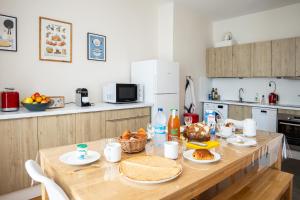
{"x":261,"y":65}
{"x":223,"y":62}
{"x":298,"y":56}
{"x":210,"y":62}
{"x":284,"y":57}
{"x":241,"y":66}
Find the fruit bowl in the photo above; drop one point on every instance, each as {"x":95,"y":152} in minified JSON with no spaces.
{"x":37,"y":106}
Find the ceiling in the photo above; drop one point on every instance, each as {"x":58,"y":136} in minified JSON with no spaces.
{"x":222,"y":9}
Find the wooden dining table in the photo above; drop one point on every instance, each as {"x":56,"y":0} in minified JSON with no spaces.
{"x":102,"y":180}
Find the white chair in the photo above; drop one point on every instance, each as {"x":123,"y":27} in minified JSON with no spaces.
{"x":53,"y":190}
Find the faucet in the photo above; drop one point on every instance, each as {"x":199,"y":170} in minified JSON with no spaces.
{"x":240,"y":95}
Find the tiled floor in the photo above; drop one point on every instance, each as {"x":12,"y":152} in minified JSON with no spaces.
{"x":293,"y":166}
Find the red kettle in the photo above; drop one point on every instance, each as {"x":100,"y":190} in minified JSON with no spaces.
{"x":273,"y":98}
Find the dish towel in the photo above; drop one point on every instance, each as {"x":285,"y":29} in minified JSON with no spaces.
{"x":189,"y":101}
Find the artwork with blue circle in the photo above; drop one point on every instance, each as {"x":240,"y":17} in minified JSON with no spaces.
{"x":96,"y":47}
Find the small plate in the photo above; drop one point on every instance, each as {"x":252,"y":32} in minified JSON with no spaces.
{"x":222,"y":136}
{"x":189,"y":155}
{"x":247,"y":142}
{"x":151,"y":182}
{"x":71,"y":158}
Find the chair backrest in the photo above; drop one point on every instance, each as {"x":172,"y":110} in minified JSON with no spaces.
{"x":53,"y":190}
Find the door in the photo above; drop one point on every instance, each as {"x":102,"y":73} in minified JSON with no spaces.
{"x":284,"y":57}
{"x":166,"y":77}
{"x":241,"y":60}
{"x":18,"y":144}
{"x":56,"y":130}
{"x":167,"y":102}
{"x":210,"y":62}
{"x":261,"y":59}
{"x":266,"y":118}
{"x":223,"y":62}
{"x":298,"y":56}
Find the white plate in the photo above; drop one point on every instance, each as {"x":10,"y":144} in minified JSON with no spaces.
{"x":153,"y":182}
{"x":189,"y":155}
{"x":223,"y":136}
{"x":247,"y":142}
{"x":71,"y":158}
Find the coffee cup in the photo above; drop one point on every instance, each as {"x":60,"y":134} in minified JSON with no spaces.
{"x":171,"y":149}
{"x":226,"y":131}
{"x":112,"y":152}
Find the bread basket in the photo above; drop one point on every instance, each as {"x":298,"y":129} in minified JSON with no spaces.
{"x":133,"y":145}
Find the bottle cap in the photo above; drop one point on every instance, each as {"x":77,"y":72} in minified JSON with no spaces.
{"x":160,"y":109}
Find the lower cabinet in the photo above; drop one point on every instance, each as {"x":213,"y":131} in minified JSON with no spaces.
{"x":18,"y":144}
{"x":90,"y":126}
{"x":239,"y":112}
{"x":56,"y":130}
{"x":118,"y":121}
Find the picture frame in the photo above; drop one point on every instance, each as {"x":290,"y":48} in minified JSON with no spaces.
{"x":96,"y":47}
{"x":8,"y":33}
{"x":55,"y":40}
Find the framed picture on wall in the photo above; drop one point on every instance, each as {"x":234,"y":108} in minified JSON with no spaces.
{"x":96,"y":47}
{"x":8,"y":33}
{"x":55,"y":40}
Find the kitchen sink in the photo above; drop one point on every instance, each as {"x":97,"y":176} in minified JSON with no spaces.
{"x":236,"y":101}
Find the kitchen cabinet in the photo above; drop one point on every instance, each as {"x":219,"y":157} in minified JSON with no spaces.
{"x":18,"y":144}
{"x":211,"y":62}
{"x":90,"y":126}
{"x":261,"y":64}
{"x":266,"y":118}
{"x":298,"y":56}
{"x":56,"y":130}
{"x":223,"y":62}
{"x":241,"y":66}
{"x":289,"y":112}
{"x":284,"y":57}
{"x":118,"y":121}
{"x":239,"y":112}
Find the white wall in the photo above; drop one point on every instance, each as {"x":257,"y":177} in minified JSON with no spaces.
{"x":192,"y":35}
{"x":130,"y":27}
{"x":273,"y":24}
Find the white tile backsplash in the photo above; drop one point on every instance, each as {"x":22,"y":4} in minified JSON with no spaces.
{"x":287,"y":89}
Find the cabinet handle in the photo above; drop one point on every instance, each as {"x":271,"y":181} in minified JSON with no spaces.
{"x":263,"y":111}
{"x":289,"y":124}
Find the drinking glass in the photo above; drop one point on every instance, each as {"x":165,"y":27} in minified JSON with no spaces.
{"x":188,"y":120}
{"x":150,"y":130}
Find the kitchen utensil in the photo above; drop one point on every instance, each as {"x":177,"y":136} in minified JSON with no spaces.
{"x":71,"y":158}
{"x":112,"y":152}
{"x":9,"y":100}
{"x":249,"y":128}
{"x":171,"y":149}
{"x":37,"y":106}
{"x":189,"y":155}
{"x":195,"y":145}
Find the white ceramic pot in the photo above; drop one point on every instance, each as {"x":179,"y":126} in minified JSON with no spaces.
{"x":249,"y":128}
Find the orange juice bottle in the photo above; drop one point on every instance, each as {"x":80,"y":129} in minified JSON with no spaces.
{"x":173,"y":126}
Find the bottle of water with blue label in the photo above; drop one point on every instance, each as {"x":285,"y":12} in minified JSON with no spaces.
{"x":160,"y":123}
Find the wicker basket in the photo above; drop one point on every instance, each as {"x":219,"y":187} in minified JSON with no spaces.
{"x":133,"y":146}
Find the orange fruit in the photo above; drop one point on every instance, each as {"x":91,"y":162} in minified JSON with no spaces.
{"x":33,"y":97}
{"x":44,"y":101}
{"x":38,"y":99}
{"x":43,"y":97}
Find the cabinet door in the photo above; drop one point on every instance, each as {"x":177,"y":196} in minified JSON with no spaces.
{"x":298,"y":56}
{"x":223,"y":62}
{"x":241,"y":66}
{"x":239,"y":112}
{"x":115,"y":128}
{"x":210,"y":62}
{"x":90,"y":126}
{"x":18,"y":144}
{"x":261,"y":59}
{"x":56,"y":130}
{"x":284,"y":57}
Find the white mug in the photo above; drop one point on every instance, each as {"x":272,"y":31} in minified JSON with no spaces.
{"x":112,"y":152}
{"x":171,"y":149}
{"x":249,"y":129}
{"x":226,"y":131}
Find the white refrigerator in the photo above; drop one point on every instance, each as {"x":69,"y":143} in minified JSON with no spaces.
{"x":161,"y":84}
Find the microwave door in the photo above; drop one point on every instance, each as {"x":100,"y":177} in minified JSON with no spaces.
{"x":126,"y":93}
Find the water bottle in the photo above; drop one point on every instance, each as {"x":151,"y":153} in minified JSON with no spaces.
{"x":160,"y":123}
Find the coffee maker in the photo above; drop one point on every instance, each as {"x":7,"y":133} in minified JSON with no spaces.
{"x":82,"y":97}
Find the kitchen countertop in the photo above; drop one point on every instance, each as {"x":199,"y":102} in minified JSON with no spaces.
{"x":229,"y":102}
{"x":70,"y":109}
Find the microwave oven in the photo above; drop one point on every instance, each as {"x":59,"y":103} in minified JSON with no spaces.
{"x":123,"y":93}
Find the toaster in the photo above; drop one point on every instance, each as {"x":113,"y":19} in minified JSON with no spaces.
{"x":9,"y":100}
